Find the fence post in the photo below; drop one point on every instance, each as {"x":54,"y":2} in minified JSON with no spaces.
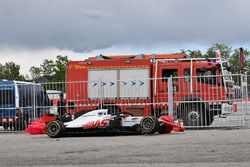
{"x":247,"y":102}
{"x":170,"y":96}
{"x":34,"y":99}
{"x":245,"y":108}
{"x":101,"y":93}
{"x":246,"y":79}
{"x":243,"y":96}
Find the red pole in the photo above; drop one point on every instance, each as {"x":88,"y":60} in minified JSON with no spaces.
{"x":241,"y":59}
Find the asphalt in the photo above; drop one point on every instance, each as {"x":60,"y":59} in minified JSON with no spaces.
{"x":224,"y":147}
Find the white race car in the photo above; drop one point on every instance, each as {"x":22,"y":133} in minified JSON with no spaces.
{"x":100,"y":120}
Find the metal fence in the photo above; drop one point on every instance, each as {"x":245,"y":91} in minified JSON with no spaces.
{"x":201,"y":101}
{"x":21,"y":103}
{"x":212,"y":101}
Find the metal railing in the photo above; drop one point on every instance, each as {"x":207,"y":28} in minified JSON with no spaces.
{"x":207,"y":102}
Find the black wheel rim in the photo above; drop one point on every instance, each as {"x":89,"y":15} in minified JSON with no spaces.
{"x":193,"y":117}
{"x":148,"y":124}
{"x":53,"y":129}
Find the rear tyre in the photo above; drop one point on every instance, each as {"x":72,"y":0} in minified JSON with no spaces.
{"x":149,"y":125}
{"x":196,"y":114}
{"x":55,"y":129}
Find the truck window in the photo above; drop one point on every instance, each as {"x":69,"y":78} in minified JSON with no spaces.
{"x":166,"y":73}
{"x":6,"y":96}
{"x":186,"y":75}
{"x":25,"y":95}
{"x":41,"y":96}
{"x":203,"y":72}
{"x":27,"y":92}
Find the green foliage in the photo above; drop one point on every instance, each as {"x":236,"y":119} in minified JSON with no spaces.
{"x":225,"y":51}
{"x":35,"y":73}
{"x":47,"y":68}
{"x":193,"y":53}
{"x":1,"y":71}
{"x":235,"y":63}
{"x":10,"y":71}
{"x":60,"y":67}
{"x":50,"y":71}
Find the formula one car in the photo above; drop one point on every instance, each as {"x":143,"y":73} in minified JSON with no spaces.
{"x":101,"y":120}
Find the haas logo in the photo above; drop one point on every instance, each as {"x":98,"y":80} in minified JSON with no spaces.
{"x":96,"y":124}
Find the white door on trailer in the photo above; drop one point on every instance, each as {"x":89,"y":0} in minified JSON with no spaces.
{"x":102,"y":84}
{"x":134,"y":83}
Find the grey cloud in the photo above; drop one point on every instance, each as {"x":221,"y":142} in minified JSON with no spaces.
{"x":88,"y":25}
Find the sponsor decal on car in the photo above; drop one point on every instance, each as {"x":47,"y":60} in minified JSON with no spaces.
{"x":97,"y":124}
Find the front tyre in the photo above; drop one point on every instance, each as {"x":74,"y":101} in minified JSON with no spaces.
{"x":149,"y":125}
{"x":197,"y":114}
{"x":55,"y":129}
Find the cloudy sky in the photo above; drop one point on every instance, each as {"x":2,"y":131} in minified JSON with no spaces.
{"x":32,"y":30}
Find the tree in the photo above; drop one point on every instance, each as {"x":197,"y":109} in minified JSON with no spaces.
{"x":193,"y":53}
{"x":60,"y":67}
{"x":1,"y":71}
{"x":35,"y":73}
{"x":225,"y":51}
{"x":50,"y":71}
{"x":48,"y":67}
{"x":10,"y":71}
{"x":235,"y":63}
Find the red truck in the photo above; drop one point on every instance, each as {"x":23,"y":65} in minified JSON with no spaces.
{"x":138,"y":84}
